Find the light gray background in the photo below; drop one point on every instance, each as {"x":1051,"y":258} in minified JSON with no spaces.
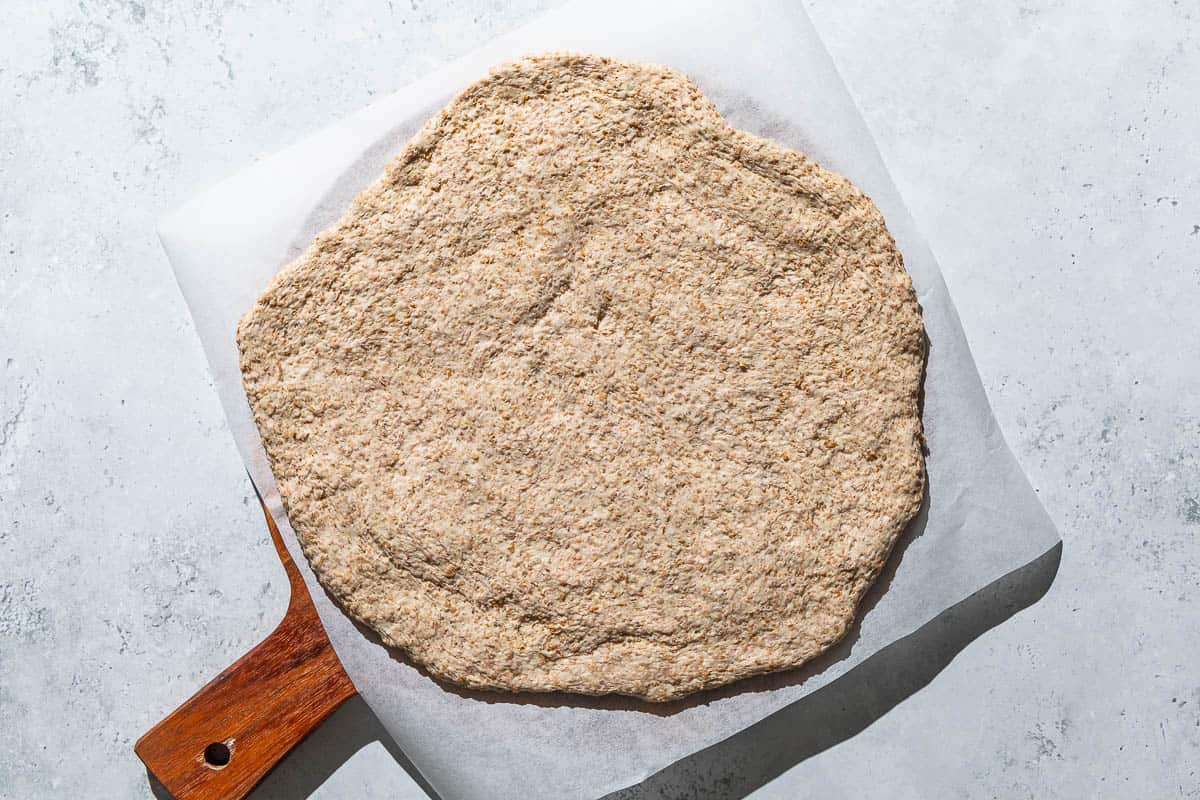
{"x":1051,"y":152}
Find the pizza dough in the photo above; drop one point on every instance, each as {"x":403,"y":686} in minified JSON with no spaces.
{"x":591,"y":392}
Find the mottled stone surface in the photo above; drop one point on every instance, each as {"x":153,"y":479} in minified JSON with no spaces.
{"x":1050,"y":155}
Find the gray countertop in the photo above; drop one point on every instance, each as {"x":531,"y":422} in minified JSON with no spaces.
{"x":1051,"y":155}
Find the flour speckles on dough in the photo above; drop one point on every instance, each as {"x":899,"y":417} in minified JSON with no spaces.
{"x":591,"y":392}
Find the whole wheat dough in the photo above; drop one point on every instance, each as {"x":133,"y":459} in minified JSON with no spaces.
{"x":591,"y":392}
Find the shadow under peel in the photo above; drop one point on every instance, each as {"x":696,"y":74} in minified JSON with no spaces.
{"x":757,"y":755}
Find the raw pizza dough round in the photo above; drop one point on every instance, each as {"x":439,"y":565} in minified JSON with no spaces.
{"x":591,"y":392}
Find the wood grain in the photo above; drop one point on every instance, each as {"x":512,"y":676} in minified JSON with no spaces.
{"x":259,"y":708}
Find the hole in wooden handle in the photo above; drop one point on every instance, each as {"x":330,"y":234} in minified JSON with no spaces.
{"x":217,"y":755}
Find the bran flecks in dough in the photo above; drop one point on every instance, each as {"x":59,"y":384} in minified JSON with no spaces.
{"x":591,"y":392}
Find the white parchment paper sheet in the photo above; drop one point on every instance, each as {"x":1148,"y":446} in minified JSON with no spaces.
{"x":765,"y":67}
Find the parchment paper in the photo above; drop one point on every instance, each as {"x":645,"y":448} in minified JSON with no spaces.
{"x":766,"y":69}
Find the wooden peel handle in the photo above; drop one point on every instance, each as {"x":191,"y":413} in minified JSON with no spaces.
{"x":228,"y":736}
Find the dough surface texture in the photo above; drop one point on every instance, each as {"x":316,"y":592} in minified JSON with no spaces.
{"x":591,"y":392}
